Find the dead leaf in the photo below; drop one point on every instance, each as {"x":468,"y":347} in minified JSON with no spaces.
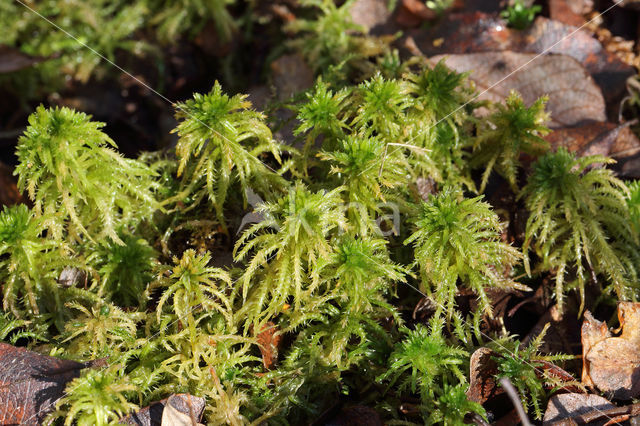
{"x":181,"y":411}
{"x":573,"y":96}
{"x":412,"y":13}
{"x":465,"y":33}
{"x":570,"y":12}
{"x":606,"y":417}
{"x":568,"y":405}
{"x":482,"y":383}
{"x":179,"y":405}
{"x":595,"y":138}
{"x":370,"y":13}
{"x":31,"y":384}
{"x":610,"y":363}
{"x":269,"y":341}
{"x":479,"y":32}
{"x":291,"y":74}
{"x":608,"y":71}
{"x":12,"y":60}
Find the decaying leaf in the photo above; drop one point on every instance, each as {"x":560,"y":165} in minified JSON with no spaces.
{"x":612,"y":364}
{"x":291,"y":74}
{"x":568,"y":405}
{"x":573,"y":96}
{"x":478,"y":32}
{"x":482,"y":383}
{"x":181,"y":407}
{"x":609,"y":72}
{"x":31,"y":384}
{"x":370,"y":13}
{"x":269,"y":342}
{"x":570,"y":12}
{"x":597,"y":138}
{"x":412,"y":13}
{"x":180,"y":410}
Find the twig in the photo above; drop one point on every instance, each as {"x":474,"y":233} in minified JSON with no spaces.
{"x":515,"y":399}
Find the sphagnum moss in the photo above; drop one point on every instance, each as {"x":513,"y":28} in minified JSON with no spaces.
{"x":317,"y":270}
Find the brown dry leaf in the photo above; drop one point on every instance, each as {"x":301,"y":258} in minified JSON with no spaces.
{"x":482,"y":382}
{"x":610,"y":363}
{"x":181,"y":411}
{"x":31,"y":384}
{"x":478,"y":32}
{"x":465,"y":33}
{"x":608,"y":71}
{"x":570,"y":12}
{"x":291,"y":74}
{"x":601,"y":138}
{"x":568,"y":405}
{"x":269,"y":341}
{"x":179,"y":406}
{"x":573,"y":96}
{"x":412,"y":13}
{"x":370,"y":13}
{"x":12,"y":60}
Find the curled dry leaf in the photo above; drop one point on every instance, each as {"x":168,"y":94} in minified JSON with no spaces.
{"x":610,"y":363}
{"x":573,"y":96}
{"x":482,"y":382}
{"x":182,"y":406}
{"x":269,"y":341}
{"x":31,"y":384}
{"x":568,"y":405}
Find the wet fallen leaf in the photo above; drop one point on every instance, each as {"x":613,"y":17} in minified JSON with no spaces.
{"x":176,"y":407}
{"x":12,"y":60}
{"x":612,"y":363}
{"x":568,"y":405}
{"x":573,"y":96}
{"x":269,"y":341}
{"x":30,"y":384}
